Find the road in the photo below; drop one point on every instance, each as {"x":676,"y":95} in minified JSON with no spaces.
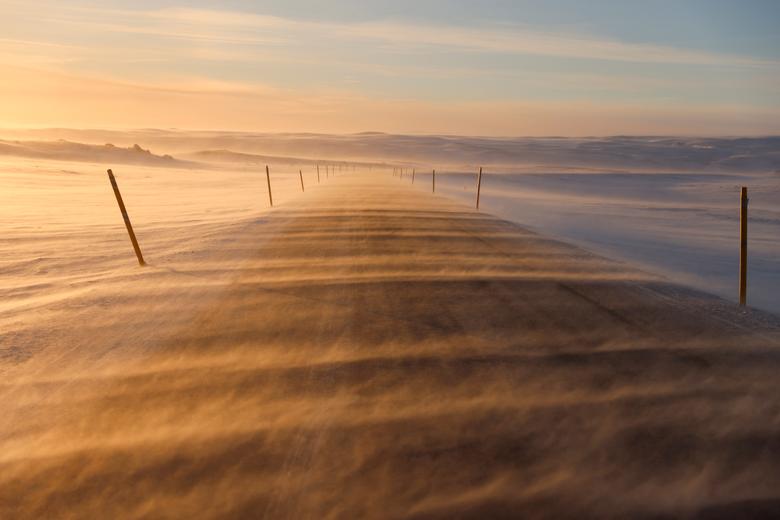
{"x":377,"y":351}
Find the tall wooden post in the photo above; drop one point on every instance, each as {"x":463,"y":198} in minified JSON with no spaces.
{"x":479,"y":185}
{"x":413,"y":172}
{"x":128,"y":225}
{"x":743,"y":231}
{"x":433,"y":179}
{"x":318,"y":174}
{"x":268,"y":178}
{"x":300,"y":172}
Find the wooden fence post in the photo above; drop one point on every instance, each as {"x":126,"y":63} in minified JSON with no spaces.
{"x":434,"y":182}
{"x":479,"y":185}
{"x":300,"y":172}
{"x":743,"y":231}
{"x":414,"y":170}
{"x":129,"y":226}
{"x":318,"y":174}
{"x":268,"y":178}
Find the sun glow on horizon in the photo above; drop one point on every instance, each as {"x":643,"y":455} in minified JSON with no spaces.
{"x":196,"y":67}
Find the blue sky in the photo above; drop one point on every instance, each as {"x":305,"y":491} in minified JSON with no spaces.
{"x":748,"y":26}
{"x":491,"y":67}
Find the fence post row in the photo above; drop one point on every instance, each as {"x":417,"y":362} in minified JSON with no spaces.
{"x":126,"y":218}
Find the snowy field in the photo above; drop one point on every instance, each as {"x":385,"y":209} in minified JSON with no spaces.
{"x":62,"y":241}
{"x":667,"y":205}
{"x":682,"y":226}
{"x":269,"y":359}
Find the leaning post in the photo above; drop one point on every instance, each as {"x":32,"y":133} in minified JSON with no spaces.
{"x":479,"y":185}
{"x":300,"y":172}
{"x":743,"y":231}
{"x":268,"y":178}
{"x":128,"y":225}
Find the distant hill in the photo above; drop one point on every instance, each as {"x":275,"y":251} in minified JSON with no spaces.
{"x":228,"y":156}
{"x":62,"y":150}
{"x":512,"y":154}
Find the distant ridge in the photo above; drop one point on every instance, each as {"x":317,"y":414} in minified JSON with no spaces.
{"x":230,"y":156}
{"x":63,"y":150}
{"x":616,"y":153}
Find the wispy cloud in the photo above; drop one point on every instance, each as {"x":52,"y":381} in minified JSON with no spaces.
{"x":240,"y":28}
{"x":55,"y":99}
{"x":255,"y":71}
{"x":522,"y":40}
{"x":504,"y":38}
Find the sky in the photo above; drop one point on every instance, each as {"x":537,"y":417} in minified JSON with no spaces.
{"x":499,"y":68}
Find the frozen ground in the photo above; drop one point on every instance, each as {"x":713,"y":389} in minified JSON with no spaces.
{"x":61,"y":234}
{"x":362,"y":350}
{"x":684,"y":226}
{"x":615,"y":196}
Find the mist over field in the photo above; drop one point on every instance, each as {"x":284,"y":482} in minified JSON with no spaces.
{"x":666,"y":204}
{"x":317,"y":333}
{"x":364,"y":335}
{"x":555,"y":154}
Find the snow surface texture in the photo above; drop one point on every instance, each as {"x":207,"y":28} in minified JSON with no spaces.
{"x":669,"y":205}
{"x":362,"y":350}
{"x":684,"y":226}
